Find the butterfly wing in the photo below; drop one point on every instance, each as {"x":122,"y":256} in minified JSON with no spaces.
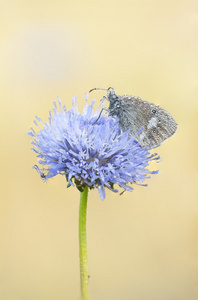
{"x":158,"y":125}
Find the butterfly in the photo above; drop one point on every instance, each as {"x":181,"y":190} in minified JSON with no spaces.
{"x":135,"y":114}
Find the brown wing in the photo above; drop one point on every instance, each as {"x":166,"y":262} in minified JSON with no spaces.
{"x":158,"y":125}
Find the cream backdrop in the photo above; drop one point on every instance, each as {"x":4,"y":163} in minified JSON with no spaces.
{"x":141,"y":245}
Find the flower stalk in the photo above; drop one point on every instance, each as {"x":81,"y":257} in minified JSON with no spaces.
{"x":83,"y":244}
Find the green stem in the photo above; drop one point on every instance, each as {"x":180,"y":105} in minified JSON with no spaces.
{"x":83,"y":244}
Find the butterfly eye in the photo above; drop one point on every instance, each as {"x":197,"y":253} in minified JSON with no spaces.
{"x":154,"y":111}
{"x":117,"y":105}
{"x":154,"y":131}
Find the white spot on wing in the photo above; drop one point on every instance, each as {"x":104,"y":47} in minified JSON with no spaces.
{"x":141,"y":137}
{"x":152,"y":123}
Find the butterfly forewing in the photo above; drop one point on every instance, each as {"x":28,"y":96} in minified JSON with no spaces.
{"x":133,"y":114}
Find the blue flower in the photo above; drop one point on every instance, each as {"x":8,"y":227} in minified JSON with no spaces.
{"x":89,"y":153}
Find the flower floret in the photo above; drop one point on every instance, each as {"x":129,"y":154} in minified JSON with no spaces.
{"x":88,"y":151}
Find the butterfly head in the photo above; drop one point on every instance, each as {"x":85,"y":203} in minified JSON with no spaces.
{"x":114,"y":99}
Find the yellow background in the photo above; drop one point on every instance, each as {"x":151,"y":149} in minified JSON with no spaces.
{"x":142,"y":245}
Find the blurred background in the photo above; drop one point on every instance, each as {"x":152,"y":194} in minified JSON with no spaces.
{"x":141,"y":245}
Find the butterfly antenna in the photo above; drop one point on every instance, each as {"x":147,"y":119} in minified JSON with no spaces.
{"x":110,"y":88}
{"x":97,"y":89}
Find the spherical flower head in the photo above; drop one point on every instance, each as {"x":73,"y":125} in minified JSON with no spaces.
{"x":89,"y":151}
